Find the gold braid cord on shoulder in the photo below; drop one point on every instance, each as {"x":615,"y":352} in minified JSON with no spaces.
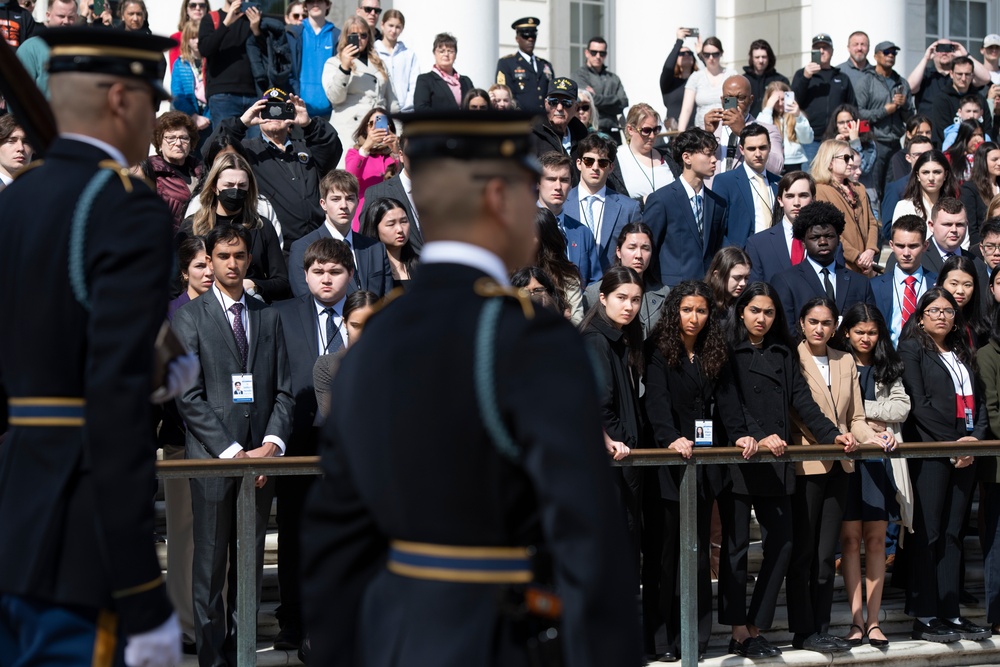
{"x":489,"y":288}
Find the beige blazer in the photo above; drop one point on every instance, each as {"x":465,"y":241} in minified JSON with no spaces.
{"x":841,"y":402}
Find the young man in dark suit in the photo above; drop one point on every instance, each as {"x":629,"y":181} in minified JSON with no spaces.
{"x":749,"y":189}
{"x":948,"y":226}
{"x":688,"y":219}
{"x":776,"y":249}
{"x":819,"y":227}
{"x":313,"y":325}
{"x":339,"y":198}
{"x":553,"y":190}
{"x":602,"y":211}
{"x":237,"y":339}
{"x":905,"y":280}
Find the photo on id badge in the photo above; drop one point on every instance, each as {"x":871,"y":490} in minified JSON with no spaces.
{"x":702,"y":432}
{"x":242,"y":388}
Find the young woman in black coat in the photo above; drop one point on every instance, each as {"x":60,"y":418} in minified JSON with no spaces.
{"x":614,"y":336}
{"x":767,"y":376}
{"x":687,"y":384}
{"x":939,"y":374}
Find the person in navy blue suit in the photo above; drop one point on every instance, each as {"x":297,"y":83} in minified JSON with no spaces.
{"x":339,"y":192}
{"x":686,"y":245}
{"x":774,"y":249}
{"x":908,"y":242}
{"x":749,"y":189}
{"x":819,"y":227}
{"x":915,"y":147}
{"x":604,"y":212}
{"x":553,"y":185}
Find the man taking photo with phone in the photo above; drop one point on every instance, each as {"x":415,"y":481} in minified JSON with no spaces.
{"x":936,"y":66}
{"x":728,"y":122}
{"x":820,"y":87}
{"x":884,"y":100}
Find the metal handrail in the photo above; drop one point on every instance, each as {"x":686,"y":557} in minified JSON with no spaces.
{"x":250,"y":468}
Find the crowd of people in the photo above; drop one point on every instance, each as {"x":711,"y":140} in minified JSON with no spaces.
{"x":723,"y":262}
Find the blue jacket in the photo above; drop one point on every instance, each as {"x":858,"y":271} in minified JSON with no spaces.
{"x":681,"y":252}
{"x":581,"y":249}
{"x":735,"y":187}
{"x":618,"y":212}
{"x":893,"y":193}
{"x":182,"y":87}
{"x":293,"y":35}
{"x":795,"y":286}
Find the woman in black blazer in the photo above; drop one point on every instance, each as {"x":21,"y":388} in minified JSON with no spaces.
{"x":939,"y":374}
{"x":687,"y":383}
{"x":433,"y":92}
{"x":612,"y":332}
{"x":767,"y":376}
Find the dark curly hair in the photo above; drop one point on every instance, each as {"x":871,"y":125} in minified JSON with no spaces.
{"x":818,"y":214}
{"x":711,"y":343}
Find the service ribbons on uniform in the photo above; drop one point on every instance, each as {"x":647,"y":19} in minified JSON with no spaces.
{"x":45,"y":411}
{"x":460,"y":564}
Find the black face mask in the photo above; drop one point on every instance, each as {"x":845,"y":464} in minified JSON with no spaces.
{"x":232,"y":199}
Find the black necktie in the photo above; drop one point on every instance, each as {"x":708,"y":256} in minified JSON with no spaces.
{"x":333,"y":340}
{"x":827,"y":285}
{"x":240,"y":333}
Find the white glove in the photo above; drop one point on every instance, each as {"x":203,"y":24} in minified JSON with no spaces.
{"x":160,"y":647}
{"x":181,"y":375}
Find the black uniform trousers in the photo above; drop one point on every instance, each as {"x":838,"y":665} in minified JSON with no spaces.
{"x":941,"y":493}
{"x":774,"y":514}
{"x":817,"y":511}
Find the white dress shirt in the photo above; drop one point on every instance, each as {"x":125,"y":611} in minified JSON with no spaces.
{"x":831,"y":267}
{"x":338,"y":322}
{"x":898,"y":291}
{"x":347,"y":238}
{"x":598,"y":220}
{"x":404,"y":178}
{"x":763,"y":200}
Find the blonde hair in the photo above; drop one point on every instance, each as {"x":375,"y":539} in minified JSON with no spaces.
{"x":636,"y":114}
{"x":787,"y":119}
{"x":189,"y":32}
{"x":820,"y":168}
{"x":373,"y":58}
{"x":994,"y":208}
{"x":204,"y":219}
{"x":583,"y":95}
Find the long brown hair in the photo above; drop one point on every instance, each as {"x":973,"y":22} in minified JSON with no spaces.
{"x":776,"y":118}
{"x":370,"y":52}
{"x":981,"y":178}
{"x":204,"y":219}
{"x":612,"y":280}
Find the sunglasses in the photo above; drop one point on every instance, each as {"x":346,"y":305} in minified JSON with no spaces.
{"x":372,"y":10}
{"x":686,"y":54}
{"x":556,"y":101}
{"x":711,"y":54}
{"x":297,"y":17}
{"x":846,"y":158}
{"x":197,"y":5}
{"x":602,"y":162}
{"x":528,"y":34}
{"x":603,"y":54}
{"x":583,"y":107}
{"x":648,"y":131}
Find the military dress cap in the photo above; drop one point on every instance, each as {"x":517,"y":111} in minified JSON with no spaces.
{"x":123,"y":53}
{"x":527,"y":23}
{"x":823,"y":38}
{"x":564,"y":87}
{"x":469,"y":135}
{"x":882,"y":47}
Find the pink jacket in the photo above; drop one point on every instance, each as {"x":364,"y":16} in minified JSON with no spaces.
{"x":369,"y":171}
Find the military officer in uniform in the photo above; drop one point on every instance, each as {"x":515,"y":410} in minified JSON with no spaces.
{"x":423,"y":539}
{"x":85,"y":264}
{"x":526,"y":75}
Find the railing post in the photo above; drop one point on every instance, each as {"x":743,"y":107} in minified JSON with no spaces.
{"x":246,"y":572}
{"x":689,"y":565}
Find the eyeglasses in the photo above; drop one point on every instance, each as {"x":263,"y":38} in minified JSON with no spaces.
{"x":297,"y":17}
{"x":649,"y":131}
{"x":602,"y":162}
{"x":602,"y":54}
{"x":556,"y":101}
{"x":372,"y":10}
{"x":181,"y":139}
{"x":935,"y":312}
{"x":989,"y":248}
{"x":583,"y":107}
{"x":711,"y":54}
{"x":536,"y":291}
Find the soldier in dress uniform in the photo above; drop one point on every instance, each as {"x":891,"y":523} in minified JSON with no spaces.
{"x":85,"y":264}
{"x":526,"y":75}
{"x":423,"y":541}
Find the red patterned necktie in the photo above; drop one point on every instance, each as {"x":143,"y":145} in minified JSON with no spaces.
{"x":909,"y":299}
{"x":798,"y":251}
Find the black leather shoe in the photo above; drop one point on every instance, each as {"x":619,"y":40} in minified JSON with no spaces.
{"x":748,"y":648}
{"x":822,"y":643}
{"x":771,"y":649}
{"x":670,"y":656}
{"x":935,"y":631}
{"x":304,"y":651}
{"x":969,"y":630}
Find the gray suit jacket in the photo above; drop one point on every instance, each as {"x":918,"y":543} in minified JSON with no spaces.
{"x":214,"y":421}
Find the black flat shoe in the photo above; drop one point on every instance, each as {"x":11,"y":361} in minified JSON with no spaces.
{"x":935,"y":631}
{"x":877,"y":643}
{"x":748,"y":648}
{"x":771,"y":649}
{"x":970,"y":630}
{"x":857,"y":641}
